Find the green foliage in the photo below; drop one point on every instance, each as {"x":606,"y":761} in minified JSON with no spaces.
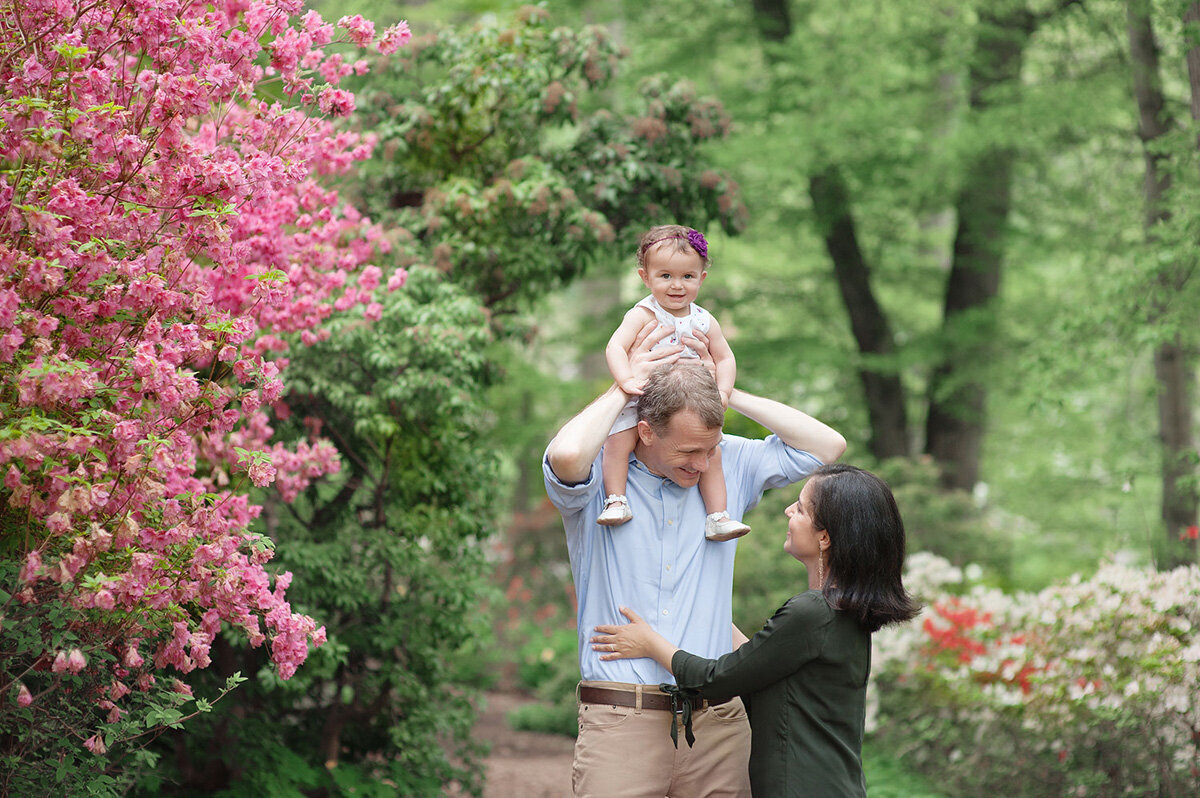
{"x":389,"y":553}
{"x":548,"y":664}
{"x":69,"y":739}
{"x":492,"y":160}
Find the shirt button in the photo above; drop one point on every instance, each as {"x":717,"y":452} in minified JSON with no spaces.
{"x":670,"y":522}
{"x":668,"y":567}
{"x":666,"y":612}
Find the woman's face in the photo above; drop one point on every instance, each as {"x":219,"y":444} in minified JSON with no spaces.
{"x":803,"y":538}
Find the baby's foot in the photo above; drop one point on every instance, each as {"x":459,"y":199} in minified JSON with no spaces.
{"x":617,"y":512}
{"x":720,"y":527}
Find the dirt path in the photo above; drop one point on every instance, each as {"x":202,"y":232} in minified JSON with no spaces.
{"x":522,"y":764}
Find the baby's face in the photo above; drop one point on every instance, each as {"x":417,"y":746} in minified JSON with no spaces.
{"x":673,"y":278}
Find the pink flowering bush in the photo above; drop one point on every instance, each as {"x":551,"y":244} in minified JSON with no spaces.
{"x":1087,"y":688}
{"x":164,"y":233}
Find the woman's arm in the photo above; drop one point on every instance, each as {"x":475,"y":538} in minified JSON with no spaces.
{"x":792,"y":637}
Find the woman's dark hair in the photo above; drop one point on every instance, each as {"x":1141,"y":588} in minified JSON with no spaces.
{"x":866,"y":552}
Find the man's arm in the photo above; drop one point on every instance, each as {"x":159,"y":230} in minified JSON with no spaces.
{"x":576,"y":445}
{"x":796,"y":429}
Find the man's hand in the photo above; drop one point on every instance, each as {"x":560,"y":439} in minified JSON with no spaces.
{"x":642,"y":361}
{"x":698,"y":341}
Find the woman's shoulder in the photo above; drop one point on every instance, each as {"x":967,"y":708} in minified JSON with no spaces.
{"x":809,"y":606}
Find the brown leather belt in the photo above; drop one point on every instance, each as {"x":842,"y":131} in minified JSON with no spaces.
{"x":628,"y":698}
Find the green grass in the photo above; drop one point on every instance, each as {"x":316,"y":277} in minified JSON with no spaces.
{"x":888,"y":778}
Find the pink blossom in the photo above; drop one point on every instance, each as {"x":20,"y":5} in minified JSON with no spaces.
{"x":76,"y":661}
{"x":397,"y":280}
{"x":58,"y":523}
{"x":24,"y":697}
{"x":338,"y":102}
{"x":116,"y":315}
{"x":261,"y":473}
{"x":33,"y":566}
{"x":395,"y":37}
{"x":362,"y":31}
{"x":132,"y":658}
{"x":96,"y":745}
{"x":104,"y":599}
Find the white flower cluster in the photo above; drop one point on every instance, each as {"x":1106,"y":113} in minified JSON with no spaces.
{"x":1106,"y":663}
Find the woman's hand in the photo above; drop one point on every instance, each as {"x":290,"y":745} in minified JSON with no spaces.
{"x":635,"y":639}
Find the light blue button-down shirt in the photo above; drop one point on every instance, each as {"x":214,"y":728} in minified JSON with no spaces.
{"x":659,"y":564}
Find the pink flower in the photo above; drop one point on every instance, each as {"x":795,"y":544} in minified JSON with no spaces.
{"x":397,"y":280}
{"x":58,"y":523}
{"x":45,"y":325}
{"x":395,"y":37}
{"x":262,"y":473}
{"x":337,"y":102}
{"x":33,"y":566}
{"x":24,"y":697}
{"x":104,"y":599}
{"x":96,"y":745}
{"x":361,"y":31}
{"x":76,"y":661}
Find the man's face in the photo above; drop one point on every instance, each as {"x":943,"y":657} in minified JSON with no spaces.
{"x":683,"y":453}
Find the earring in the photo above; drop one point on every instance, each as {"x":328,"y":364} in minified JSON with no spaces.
{"x":820,"y":570}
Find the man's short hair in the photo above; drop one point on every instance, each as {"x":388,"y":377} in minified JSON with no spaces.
{"x":680,"y":386}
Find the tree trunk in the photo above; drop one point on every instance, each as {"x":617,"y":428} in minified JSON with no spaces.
{"x":773,"y":18}
{"x":882,"y":387}
{"x":1173,"y":370}
{"x":955,"y":425}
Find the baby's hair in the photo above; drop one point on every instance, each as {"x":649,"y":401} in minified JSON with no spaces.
{"x":669,"y":235}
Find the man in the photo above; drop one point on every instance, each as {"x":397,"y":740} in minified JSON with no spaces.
{"x":661,"y":566}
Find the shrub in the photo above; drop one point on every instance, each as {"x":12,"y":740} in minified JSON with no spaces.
{"x":1086,"y":688}
{"x":161,"y":226}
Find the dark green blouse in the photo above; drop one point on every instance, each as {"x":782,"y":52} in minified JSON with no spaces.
{"x":803,"y":679}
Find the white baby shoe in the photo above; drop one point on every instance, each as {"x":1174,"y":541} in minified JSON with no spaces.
{"x":617,"y":512}
{"x":720,"y":527}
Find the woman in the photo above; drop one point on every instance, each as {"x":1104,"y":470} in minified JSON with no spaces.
{"x":803,"y":678}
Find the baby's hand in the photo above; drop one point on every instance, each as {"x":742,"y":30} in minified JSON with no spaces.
{"x":632,"y":386}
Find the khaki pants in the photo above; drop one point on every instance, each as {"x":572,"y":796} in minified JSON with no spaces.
{"x":627,"y":753}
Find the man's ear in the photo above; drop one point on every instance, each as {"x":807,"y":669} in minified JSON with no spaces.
{"x":645,"y":433}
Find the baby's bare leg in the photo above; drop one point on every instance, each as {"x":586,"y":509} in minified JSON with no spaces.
{"x":614,"y":466}
{"x":718,"y":525}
